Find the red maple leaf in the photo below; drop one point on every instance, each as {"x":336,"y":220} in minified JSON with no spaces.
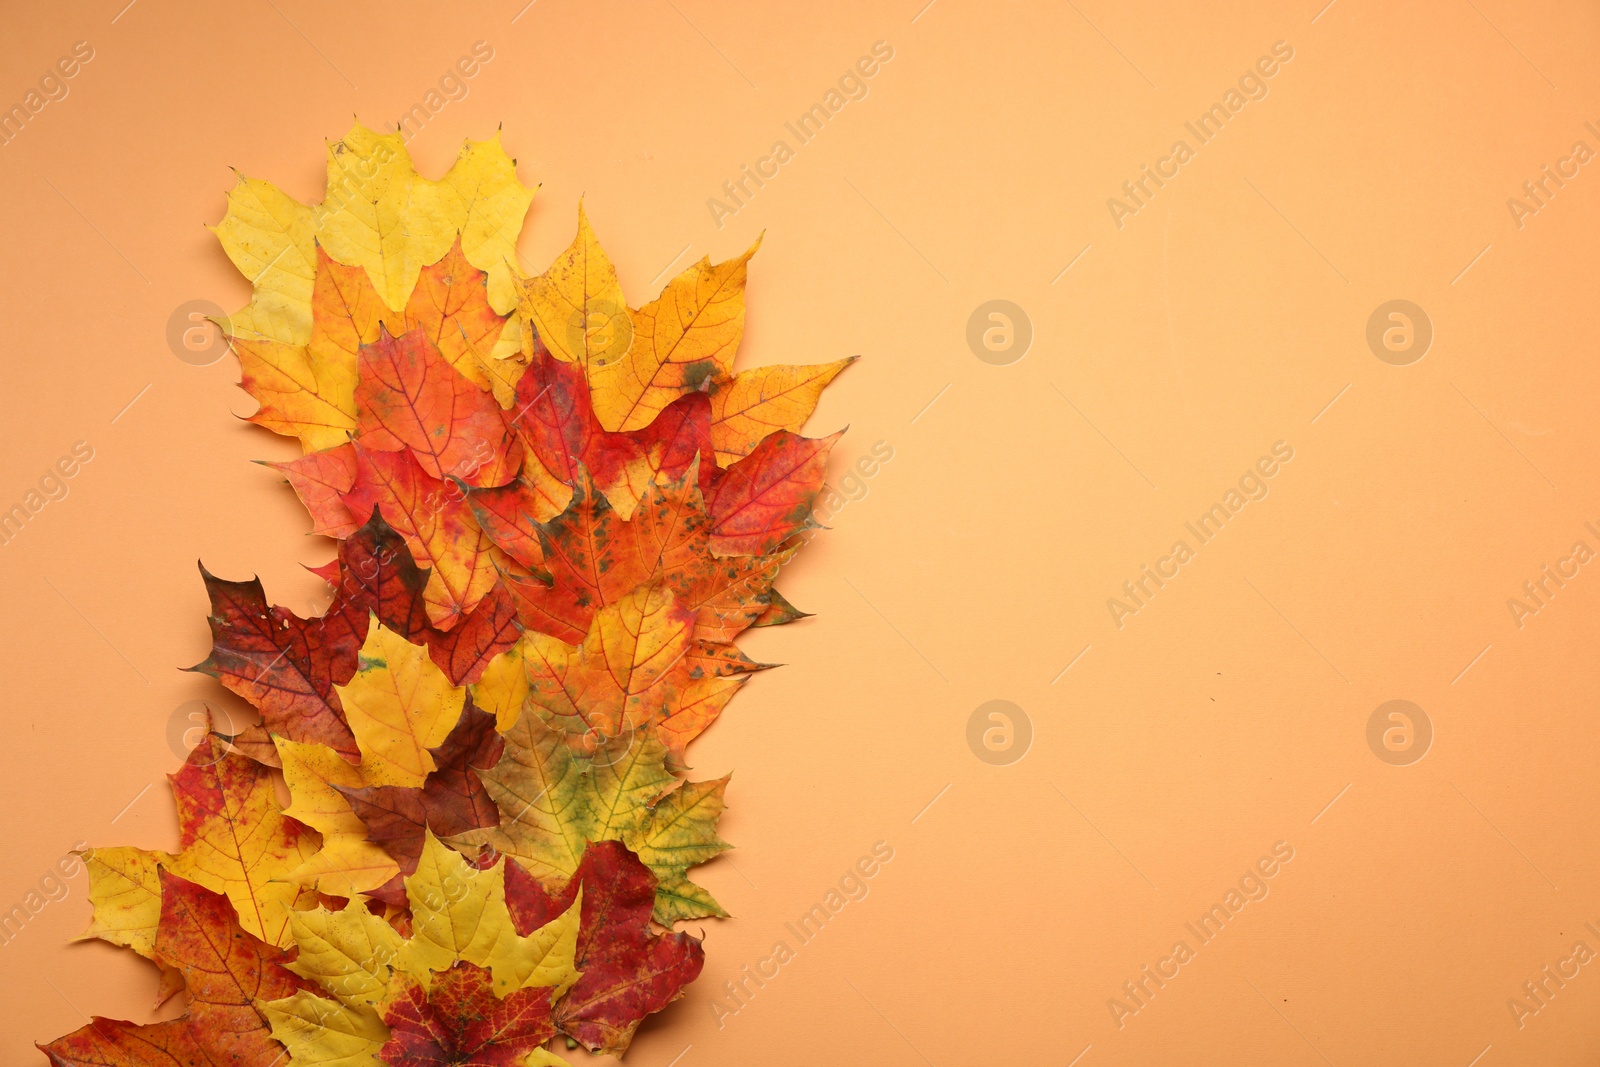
{"x":227,"y":972}
{"x":765,"y":497}
{"x":460,"y":1022}
{"x":628,"y":972}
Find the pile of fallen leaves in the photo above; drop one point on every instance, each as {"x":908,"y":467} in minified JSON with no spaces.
{"x":555,"y":513}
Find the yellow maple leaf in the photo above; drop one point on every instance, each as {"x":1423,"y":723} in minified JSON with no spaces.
{"x":399,"y":704}
{"x":458,"y":914}
{"x":379,"y":214}
{"x":347,"y":864}
{"x":576,"y":306}
{"x":682,"y":341}
{"x":234,"y":839}
{"x":763,"y":400}
{"x":502,"y":689}
{"x":125,"y":892}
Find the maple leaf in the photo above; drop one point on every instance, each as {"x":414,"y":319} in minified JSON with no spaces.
{"x":410,"y":397}
{"x":465,"y":651}
{"x":401,"y":708}
{"x":450,"y":304}
{"x":698,"y":703}
{"x":461,"y":1023}
{"x":556,"y":417}
{"x":234,"y":839}
{"x":320,"y":480}
{"x":451,"y":801}
{"x":458,"y":916}
{"x":765,"y":498}
{"x":434,"y":518}
{"x":576,"y":306}
{"x":228,"y":972}
{"x":761,"y":401}
{"x":289,"y":667}
{"x":618,"y":675}
{"x":509,"y":515}
{"x":627,"y":971}
{"x":779,"y":612}
{"x":595,"y":559}
{"x":553,"y":802}
{"x":379,"y":215}
{"x":682,"y":340}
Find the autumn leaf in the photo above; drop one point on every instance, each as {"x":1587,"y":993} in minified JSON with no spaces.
{"x":661,"y":452}
{"x":698,"y":703}
{"x":595,"y":558}
{"x":450,"y":305}
{"x":410,"y":397}
{"x":682,"y":340}
{"x":347,"y":865}
{"x":779,"y":612}
{"x":459,"y":918}
{"x":234,"y":839}
{"x":434,"y":518}
{"x":288,"y":667}
{"x":628,"y":972}
{"x":509,"y":515}
{"x":125,"y":892}
{"x":765,"y":498}
{"x":451,"y":801}
{"x":488,"y":630}
{"x":379,"y":215}
{"x":576,"y":307}
{"x":461,"y":1023}
{"x":418,"y":738}
{"x":229,"y":973}
{"x":278,"y":661}
{"x":320,"y":480}
{"x":556,"y":418}
{"x":618,"y":676}
{"x":761,"y":401}
{"x":553,"y":802}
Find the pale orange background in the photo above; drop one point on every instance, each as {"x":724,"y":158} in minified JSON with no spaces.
{"x":1222,"y":318}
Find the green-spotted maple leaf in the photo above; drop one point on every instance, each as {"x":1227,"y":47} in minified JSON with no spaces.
{"x":765,"y":498}
{"x":229,"y":974}
{"x":553,"y":802}
{"x":595,"y":558}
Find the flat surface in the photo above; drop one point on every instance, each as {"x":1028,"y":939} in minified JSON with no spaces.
{"x":1226,"y":314}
